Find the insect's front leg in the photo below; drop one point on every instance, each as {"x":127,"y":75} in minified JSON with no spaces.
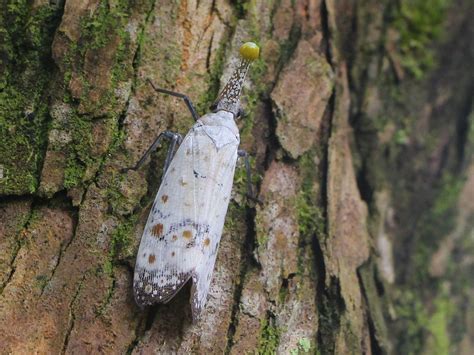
{"x":250,"y":193}
{"x":186,"y":99}
{"x":175,"y":139}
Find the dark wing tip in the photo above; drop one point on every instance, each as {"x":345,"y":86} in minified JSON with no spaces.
{"x":147,"y":293}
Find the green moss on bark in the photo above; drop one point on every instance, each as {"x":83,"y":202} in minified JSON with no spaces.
{"x":208,"y":97}
{"x":434,"y":225}
{"x":269,"y":337}
{"x":304,"y":347}
{"x":253,"y":97}
{"x":26,"y":34}
{"x":438,"y":328}
{"x":103,"y":32}
{"x":310,"y":218}
{"x":122,"y":239}
{"x":79,"y":157}
{"x":419,"y":23}
{"x":422,"y":326}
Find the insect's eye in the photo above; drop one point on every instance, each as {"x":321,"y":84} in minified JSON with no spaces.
{"x":240,"y":113}
{"x":213,"y":107}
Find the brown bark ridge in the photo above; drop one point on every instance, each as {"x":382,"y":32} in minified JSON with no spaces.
{"x":359,"y":122}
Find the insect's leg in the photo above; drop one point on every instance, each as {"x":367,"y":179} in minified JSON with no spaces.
{"x":186,"y":99}
{"x":175,"y":139}
{"x":250,"y":193}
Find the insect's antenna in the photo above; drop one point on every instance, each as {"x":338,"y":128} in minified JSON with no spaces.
{"x":228,"y":99}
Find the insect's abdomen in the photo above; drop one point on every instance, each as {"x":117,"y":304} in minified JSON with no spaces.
{"x":182,"y":234}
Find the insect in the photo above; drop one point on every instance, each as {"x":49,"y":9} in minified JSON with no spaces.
{"x":182,"y":234}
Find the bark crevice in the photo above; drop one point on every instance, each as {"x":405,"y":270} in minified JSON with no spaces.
{"x":72,"y":316}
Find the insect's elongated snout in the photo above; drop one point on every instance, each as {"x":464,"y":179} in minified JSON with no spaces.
{"x":229,"y":97}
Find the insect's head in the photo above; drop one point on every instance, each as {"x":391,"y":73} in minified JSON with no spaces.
{"x":229,"y":97}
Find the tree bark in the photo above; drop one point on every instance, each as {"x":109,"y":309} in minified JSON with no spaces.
{"x":359,"y":122}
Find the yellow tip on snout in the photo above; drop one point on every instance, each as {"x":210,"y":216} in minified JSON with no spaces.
{"x":249,"y":51}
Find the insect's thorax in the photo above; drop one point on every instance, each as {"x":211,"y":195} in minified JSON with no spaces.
{"x":221,"y":119}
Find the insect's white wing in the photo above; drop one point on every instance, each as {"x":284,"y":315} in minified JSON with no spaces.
{"x":214,"y":166}
{"x":166,"y":258}
{"x":182,"y":234}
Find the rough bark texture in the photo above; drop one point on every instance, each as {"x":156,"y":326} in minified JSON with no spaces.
{"x":360,"y":124}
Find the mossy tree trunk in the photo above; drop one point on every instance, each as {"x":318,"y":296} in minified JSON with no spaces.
{"x":358,"y":120}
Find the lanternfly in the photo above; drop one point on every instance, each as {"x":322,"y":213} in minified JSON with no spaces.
{"x":184,"y":228}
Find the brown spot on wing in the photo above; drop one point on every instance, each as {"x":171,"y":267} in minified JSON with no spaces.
{"x":173,"y":253}
{"x":151,"y":258}
{"x":187,"y":234}
{"x":164,"y":198}
{"x":207,"y":241}
{"x":157,"y":230}
{"x":174,"y":237}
